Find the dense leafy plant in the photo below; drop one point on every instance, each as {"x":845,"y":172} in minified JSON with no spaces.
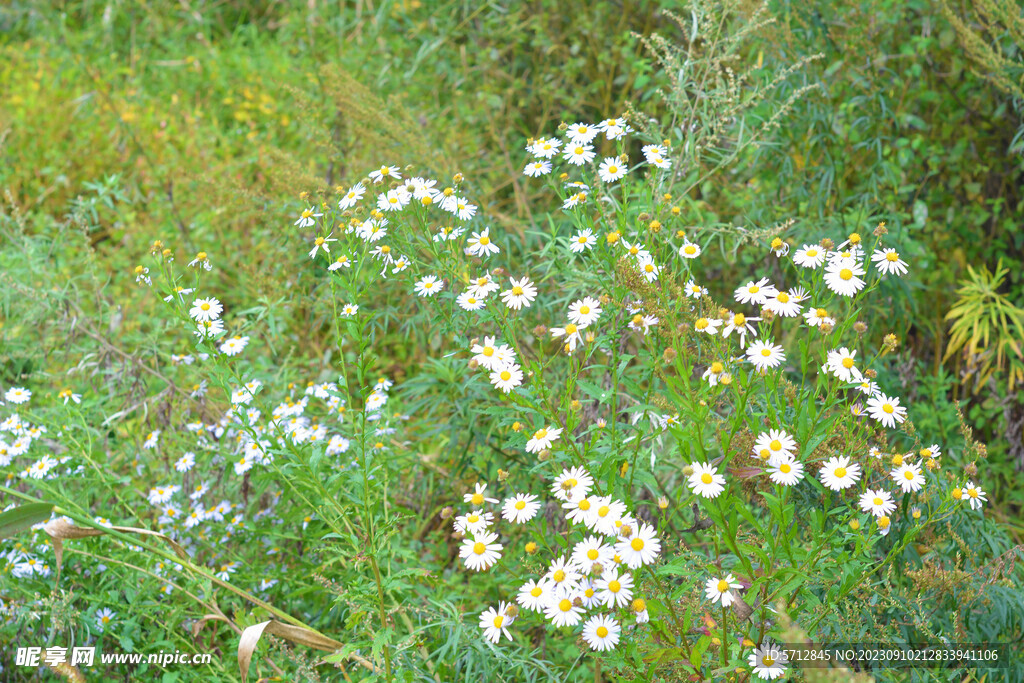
{"x":294,"y":440}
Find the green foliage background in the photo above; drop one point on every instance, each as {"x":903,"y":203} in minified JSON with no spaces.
{"x":198,"y":123}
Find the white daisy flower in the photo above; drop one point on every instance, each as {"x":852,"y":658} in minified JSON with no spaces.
{"x":614,"y":590}
{"x":535,"y":595}
{"x":705,"y":480}
{"x":889,"y":261}
{"x":428,"y":286}
{"x":786,"y":472}
{"x":481,"y":552}
{"x":641,"y":548}
{"x":582,"y":241}
{"x":585,"y":311}
{"x":495,"y":622}
{"x":843,"y":276}
{"x":578,"y":154}
{"x":756,"y":293}
{"x":601,"y":632}
{"x":878,"y":502}
{"x":810,"y":256}
{"x":886,"y":409}
{"x":974,"y":495}
{"x":611,"y":170}
{"x":543,"y":438}
{"x":839,"y":473}
{"x":722,"y":590}
{"x":764,"y":355}
{"x":520,"y":293}
{"x":909,"y":477}
{"x":520,"y":508}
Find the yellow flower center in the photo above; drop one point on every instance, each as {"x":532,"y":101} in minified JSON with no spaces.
{"x":972,"y":492}
{"x":536,"y":591}
{"x":847,"y":363}
{"x":488,"y":351}
{"x":892,"y":257}
{"x":613,"y":169}
{"x":701,"y":324}
{"x":570,"y":329}
{"x":840,"y":472}
{"x":578,"y":150}
{"x":775,"y":445}
{"x":766,"y":352}
{"x":690,"y":249}
{"x":583,"y":505}
{"x":812,"y":252}
{"x":877,"y":501}
{"x":506,"y":375}
{"x":558,"y":576}
{"x":520,"y":505}
{"x":883,"y":522}
{"x":785,"y":468}
{"x":639,"y":605}
{"x":648,"y":267}
{"x":477,"y":499}
{"x":821,"y":313}
{"x":540,"y":433}
{"x":908,"y":475}
{"x":565,"y":605}
{"x":479,"y":548}
{"x":717,"y":367}
{"x":722,"y":586}
{"x":783,"y":297}
{"x":592,"y":554}
{"x":601,"y":632}
{"x":739,"y":319}
{"x":846,"y":274}
{"x":498,"y":621}
{"x":706,"y":478}
{"x":888,"y":408}
{"x":637,"y":544}
{"x":473,"y":519}
{"x":484,"y":239}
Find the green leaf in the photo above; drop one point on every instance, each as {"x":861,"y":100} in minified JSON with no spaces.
{"x":697,"y":653}
{"x":18,"y":519}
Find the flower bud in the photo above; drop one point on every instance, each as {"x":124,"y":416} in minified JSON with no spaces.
{"x":540,"y":331}
{"x":644,"y":217}
{"x":531,"y":548}
{"x":881,"y":230}
{"x":859,"y":327}
{"x":544,"y":455}
{"x":854,"y":524}
{"x":502,"y":475}
{"x":668,"y":355}
{"x":447,"y":512}
{"x":971,"y":469}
